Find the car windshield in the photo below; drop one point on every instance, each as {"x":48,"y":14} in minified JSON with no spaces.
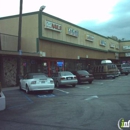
{"x":65,"y":73}
{"x":31,"y":76}
{"x":39,"y":76}
{"x":83,"y":72}
{"x":125,"y":65}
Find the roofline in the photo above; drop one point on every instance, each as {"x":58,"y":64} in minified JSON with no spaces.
{"x":36,"y":12}
{"x":17,"y":15}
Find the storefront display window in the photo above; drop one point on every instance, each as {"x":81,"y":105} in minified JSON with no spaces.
{"x":72,"y":65}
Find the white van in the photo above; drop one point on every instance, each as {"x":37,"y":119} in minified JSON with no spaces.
{"x":124,"y":68}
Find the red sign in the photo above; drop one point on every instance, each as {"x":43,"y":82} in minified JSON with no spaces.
{"x":52,"y":26}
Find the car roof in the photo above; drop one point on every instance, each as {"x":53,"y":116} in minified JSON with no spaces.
{"x":36,"y":74}
{"x":63,"y":71}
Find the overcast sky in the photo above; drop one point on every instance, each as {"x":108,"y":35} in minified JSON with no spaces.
{"x":105,"y":17}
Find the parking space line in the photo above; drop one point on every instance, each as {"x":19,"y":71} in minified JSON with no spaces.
{"x":91,"y":97}
{"x":27,"y":98}
{"x":21,"y":105}
{"x":98,"y":83}
{"x":46,"y":95}
{"x":108,"y":80}
{"x":83,"y":87}
{"x":62,"y":91}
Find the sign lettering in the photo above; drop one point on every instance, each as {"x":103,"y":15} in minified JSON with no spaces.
{"x":126,"y":47}
{"x":102,"y":43}
{"x":89,"y":38}
{"x":52,"y":26}
{"x":72,"y":32}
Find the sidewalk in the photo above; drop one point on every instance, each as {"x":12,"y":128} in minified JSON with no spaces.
{"x":10,"y":88}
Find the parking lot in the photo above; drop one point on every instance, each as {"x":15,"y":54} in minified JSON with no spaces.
{"x":95,"y":106}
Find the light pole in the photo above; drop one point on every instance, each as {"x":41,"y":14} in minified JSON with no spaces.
{"x":19,"y":43}
{"x":40,"y":19}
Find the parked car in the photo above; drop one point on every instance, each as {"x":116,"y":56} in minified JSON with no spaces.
{"x":106,"y":70}
{"x":83,"y":76}
{"x":36,"y":82}
{"x":124,"y":68}
{"x":64,"y":78}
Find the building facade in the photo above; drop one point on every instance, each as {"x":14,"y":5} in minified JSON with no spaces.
{"x":50,"y":44}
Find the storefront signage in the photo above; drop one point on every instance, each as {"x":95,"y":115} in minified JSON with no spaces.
{"x":117,"y":54}
{"x":117,"y":47}
{"x":126,"y":47}
{"x":112,"y":45}
{"x":72,"y":32}
{"x":89,"y":38}
{"x":127,"y":54}
{"x":53,"y":26}
{"x":102,"y":43}
{"x":60,"y":63}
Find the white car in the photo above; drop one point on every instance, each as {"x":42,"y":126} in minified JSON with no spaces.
{"x":36,"y":82}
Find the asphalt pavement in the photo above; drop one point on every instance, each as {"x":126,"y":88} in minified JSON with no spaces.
{"x":101,"y":105}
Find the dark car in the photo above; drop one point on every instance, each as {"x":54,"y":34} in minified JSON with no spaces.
{"x":83,"y":76}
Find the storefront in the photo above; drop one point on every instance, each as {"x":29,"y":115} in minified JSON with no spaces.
{"x":53,"y":45}
{"x":50,"y":65}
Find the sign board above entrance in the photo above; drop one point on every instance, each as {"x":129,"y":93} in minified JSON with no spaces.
{"x":127,"y":54}
{"x":53,"y":26}
{"x":72,"y":32}
{"x":112,"y":45}
{"x":102,"y":43}
{"x":126,"y":47}
{"x":89,"y":38}
{"x":117,"y":47}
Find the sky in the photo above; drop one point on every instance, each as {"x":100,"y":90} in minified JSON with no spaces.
{"x":105,"y":17}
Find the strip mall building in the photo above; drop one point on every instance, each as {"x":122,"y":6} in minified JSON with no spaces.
{"x":50,"y":44}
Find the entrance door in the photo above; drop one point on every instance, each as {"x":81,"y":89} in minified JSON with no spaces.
{"x":54,"y":66}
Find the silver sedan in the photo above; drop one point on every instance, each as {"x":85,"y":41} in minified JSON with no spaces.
{"x":64,"y":78}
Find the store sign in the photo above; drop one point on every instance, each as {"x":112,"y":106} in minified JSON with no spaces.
{"x":127,"y":54}
{"x":117,"y":47}
{"x":126,"y":47}
{"x":52,"y":26}
{"x":117,"y":54}
{"x":89,"y":38}
{"x":102,"y":43}
{"x":72,"y":32}
{"x":112,"y":45}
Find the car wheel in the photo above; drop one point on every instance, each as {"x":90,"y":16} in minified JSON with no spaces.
{"x":57,"y":84}
{"x":50,"y":91}
{"x":101,"y":77}
{"x":90,"y":82}
{"x":79,"y":82}
{"x":114,"y":77}
{"x":27,"y":90}
{"x":74,"y":85}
